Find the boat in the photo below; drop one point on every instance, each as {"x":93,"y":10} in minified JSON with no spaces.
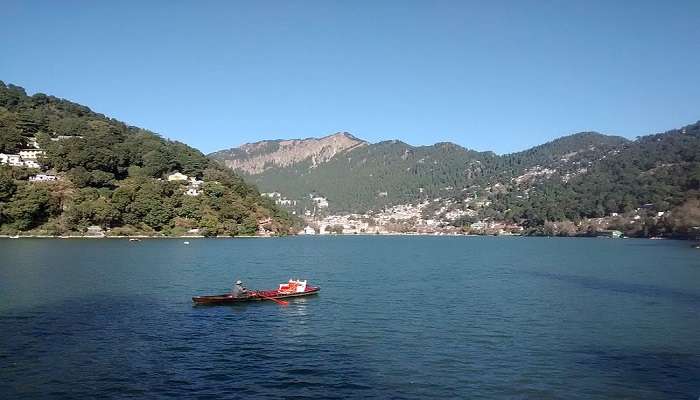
{"x":14,"y":237}
{"x":293,"y":288}
{"x":134,"y":240}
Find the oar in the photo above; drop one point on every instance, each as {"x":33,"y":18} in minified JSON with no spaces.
{"x":280,"y":302}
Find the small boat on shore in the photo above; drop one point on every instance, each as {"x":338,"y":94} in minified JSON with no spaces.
{"x":293,"y":288}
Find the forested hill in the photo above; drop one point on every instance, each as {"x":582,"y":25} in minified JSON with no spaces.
{"x":585,"y":175}
{"x":65,"y":168}
{"x":374,"y":176}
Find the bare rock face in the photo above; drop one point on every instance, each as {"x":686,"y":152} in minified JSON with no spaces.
{"x":255,"y":158}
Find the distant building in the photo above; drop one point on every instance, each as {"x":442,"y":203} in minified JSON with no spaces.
{"x":65,"y":137}
{"x":13,"y":160}
{"x":193,"y":191}
{"x":193,"y":187}
{"x":478,"y":225}
{"x":31,"y":164}
{"x":194,"y":182}
{"x":30,"y":154}
{"x":321,"y":202}
{"x":177,"y":177}
{"x":43,"y":178}
{"x":610,"y":234}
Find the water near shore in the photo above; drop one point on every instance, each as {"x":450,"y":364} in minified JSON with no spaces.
{"x":398,"y":317}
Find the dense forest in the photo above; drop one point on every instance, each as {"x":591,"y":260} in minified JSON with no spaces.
{"x":114,"y":176}
{"x":379,"y":175}
{"x":658,"y":172}
{"x":581,"y":176}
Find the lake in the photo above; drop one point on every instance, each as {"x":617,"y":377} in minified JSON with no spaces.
{"x":397,"y":317}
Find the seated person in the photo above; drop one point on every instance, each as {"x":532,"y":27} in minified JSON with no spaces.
{"x":239,"y":290}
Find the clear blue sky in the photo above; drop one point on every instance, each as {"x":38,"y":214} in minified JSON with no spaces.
{"x":490,"y":75}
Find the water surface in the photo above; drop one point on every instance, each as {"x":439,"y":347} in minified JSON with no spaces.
{"x":397,"y":317}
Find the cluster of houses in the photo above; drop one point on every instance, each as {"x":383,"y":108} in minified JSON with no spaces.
{"x":28,"y":158}
{"x":194,"y":186}
{"x":279,"y":199}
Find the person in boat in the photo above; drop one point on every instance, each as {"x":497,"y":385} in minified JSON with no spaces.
{"x":239,"y":290}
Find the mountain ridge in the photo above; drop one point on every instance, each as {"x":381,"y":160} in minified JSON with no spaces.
{"x":391,"y":172}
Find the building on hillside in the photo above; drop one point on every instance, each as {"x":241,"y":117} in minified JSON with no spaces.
{"x":195,"y":182}
{"x":321,"y":202}
{"x":177,"y":177}
{"x":43,"y":178}
{"x":31,"y":164}
{"x":13,"y":160}
{"x":193,"y":186}
{"x":478,"y":225}
{"x":193,"y":191}
{"x":65,"y":137}
{"x":30,"y":154}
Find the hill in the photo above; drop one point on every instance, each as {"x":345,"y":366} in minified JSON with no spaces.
{"x":578,"y":177}
{"x":66,"y":168}
{"x":375,"y":176}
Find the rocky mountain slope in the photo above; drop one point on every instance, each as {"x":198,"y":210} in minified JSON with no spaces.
{"x":372,"y":176}
{"x":256,"y":158}
{"x":583,"y":175}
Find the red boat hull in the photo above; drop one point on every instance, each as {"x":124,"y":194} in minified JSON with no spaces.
{"x":256,"y":296}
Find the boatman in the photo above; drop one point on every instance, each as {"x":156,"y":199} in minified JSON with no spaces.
{"x":239,"y":290}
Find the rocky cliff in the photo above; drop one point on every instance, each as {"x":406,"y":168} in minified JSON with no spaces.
{"x":255,"y":158}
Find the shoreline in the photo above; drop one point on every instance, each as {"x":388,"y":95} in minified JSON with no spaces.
{"x":317,"y":235}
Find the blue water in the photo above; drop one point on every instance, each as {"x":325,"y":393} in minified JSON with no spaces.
{"x":397,"y":317}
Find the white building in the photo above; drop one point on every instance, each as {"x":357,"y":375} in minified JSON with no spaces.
{"x":31,"y":164}
{"x":193,"y":187}
{"x":479,"y":225}
{"x":30,"y":154}
{"x":43,"y":178}
{"x":64,"y":137}
{"x":193,"y":191}
{"x":194,"y":182}
{"x":14,"y":160}
{"x":321,"y":202}
{"x":177,"y":177}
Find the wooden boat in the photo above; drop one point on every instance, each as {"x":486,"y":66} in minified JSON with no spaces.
{"x":285,"y":291}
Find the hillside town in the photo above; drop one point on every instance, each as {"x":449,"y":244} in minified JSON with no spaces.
{"x":450,"y":217}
